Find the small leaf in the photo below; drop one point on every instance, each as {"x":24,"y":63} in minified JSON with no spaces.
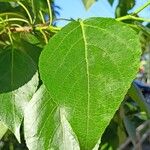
{"x":88,"y":3}
{"x":45,"y":124}
{"x":111,"y":2}
{"x":88,"y":68}
{"x":130,"y":128}
{"x":123,"y":7}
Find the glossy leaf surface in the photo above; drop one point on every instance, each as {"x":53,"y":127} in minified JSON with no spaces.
{"x":52,"y":133}
{"x":13,"y":104}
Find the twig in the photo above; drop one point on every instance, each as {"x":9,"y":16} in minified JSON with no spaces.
{"x":38,"y":28}
{"x":14,"y":19}
{"x":50,"y":12}
{"x":141,"y":8}
{"x":28,"y":13}
{"x":127,"y":17}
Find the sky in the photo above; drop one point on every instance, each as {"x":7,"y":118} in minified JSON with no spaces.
{"x":75,"y":9}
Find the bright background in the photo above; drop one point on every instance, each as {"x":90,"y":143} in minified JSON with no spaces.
{"x":75,"y":9}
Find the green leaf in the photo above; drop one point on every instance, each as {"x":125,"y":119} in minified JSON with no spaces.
{"x":88,"y":68}
{"x":88,"y":3}
{"x":3,"y":130}
{"x":13,"y":104}
{"x":130,"y":128}
{"x":123,"y":7}
{"x":111,"y":2}
{"x":17,"y":67}
{"x":44,"y":120}
{"x":135,"y":93}
{"x":18,"y":81}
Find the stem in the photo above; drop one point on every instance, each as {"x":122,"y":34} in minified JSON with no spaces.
{"x":15,"y":19}
{"x":43,"y":20}
{"x":63,"y":19}
{"x":11,"y":13}
{"x":16,"y":25}
{"x":9,"y":34}
{"x":133,"y":18}
{"x":38,"y":28}
{"x":50,"y":12}
{"x":28,"y":13}
{"x":44,"y":35}
{"x":141,"y":8}
{"x":51,"y":28}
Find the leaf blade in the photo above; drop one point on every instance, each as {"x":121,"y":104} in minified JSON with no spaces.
{"x":88,"y":3}
{"x":70,"y":80}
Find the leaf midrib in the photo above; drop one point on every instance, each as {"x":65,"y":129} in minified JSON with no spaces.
{"x":88,"y":78}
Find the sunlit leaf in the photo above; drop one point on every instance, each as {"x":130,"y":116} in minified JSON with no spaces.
{"x":46,"y":126}
{"x":88,"y":68}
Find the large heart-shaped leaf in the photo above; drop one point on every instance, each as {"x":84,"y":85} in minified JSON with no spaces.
{"x":88,"y":68}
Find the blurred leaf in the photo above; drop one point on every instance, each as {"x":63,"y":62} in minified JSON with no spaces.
{"x":88,"y":3}
{"x":8,"y":0}
{"x":32,"y":50}
{"x":136,"y":94}
{"x":5,"y":7}
{"x":111,"y":2}
{"x":39,"y":6}
{"x":110,"y":137}
{"x":123,"y":7}
{"x":130,"y":128}
{"x":145,"y":29}
{"x":121,"y":133}
{"x":142,"y":116}
{"x":30,"y":38}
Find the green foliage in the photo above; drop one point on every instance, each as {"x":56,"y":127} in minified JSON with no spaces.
{"x":67,"y":98}
{"x":123,"y":7}
{"x":88,"y":3}
{"x":111,"y":2}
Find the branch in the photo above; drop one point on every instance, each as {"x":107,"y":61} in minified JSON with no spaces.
{"x":37,"y":28}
